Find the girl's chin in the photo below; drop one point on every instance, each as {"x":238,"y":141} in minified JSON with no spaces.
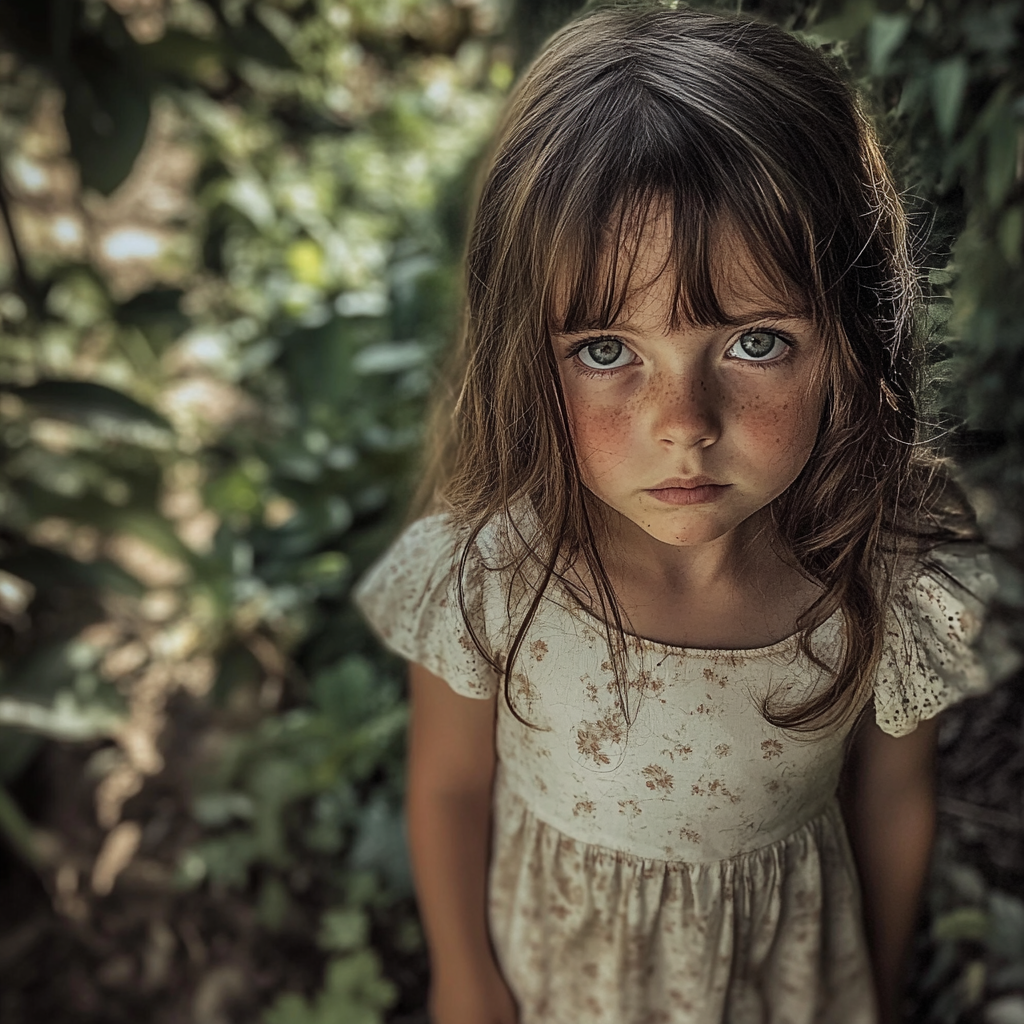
{"x":688,"y":524}
{"x":689,"y":528}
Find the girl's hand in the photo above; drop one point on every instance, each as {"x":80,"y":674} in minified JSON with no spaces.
{"x":485,"y":999}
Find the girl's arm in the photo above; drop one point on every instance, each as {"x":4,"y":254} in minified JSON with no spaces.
{"x":448,"y":805}
{"x":890,"y":811}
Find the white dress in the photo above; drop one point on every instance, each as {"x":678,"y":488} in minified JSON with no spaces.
{"x":692,"y":867}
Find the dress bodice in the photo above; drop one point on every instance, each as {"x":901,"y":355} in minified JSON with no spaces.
{"x":697,"y":774}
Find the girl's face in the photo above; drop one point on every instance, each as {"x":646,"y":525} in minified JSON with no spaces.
{"x":689,"y":433}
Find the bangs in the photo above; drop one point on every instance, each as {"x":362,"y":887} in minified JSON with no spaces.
{"x":633,"y":163}
{"x":592,"y":283}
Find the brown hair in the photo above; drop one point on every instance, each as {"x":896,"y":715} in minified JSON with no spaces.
{"x":714,"y":122}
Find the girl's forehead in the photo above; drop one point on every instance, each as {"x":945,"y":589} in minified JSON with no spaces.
{"x":643,"y":277}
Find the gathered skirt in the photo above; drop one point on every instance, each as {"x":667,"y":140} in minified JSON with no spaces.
{"x":587,"y":933}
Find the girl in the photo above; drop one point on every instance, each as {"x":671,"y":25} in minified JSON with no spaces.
{"x":681,"y":536}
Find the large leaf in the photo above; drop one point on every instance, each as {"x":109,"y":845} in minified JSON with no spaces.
{"x":157,"y":312}
{"x":30,"y":26}
{"x":111,"y":414}
{"x":17,"y":748}
{"x":184,"y":56}
{"x":252,"y":39}
{"x":885,"y":34}
{"x":106,"y":111}
{"x":46,"y":569}
{"x":949,"y":82}
{"x":67,"y":719}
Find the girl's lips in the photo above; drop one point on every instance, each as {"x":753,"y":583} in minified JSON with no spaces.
{"x":699,"y":495}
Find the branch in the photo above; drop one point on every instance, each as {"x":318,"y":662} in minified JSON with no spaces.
{"x":25,"y":285}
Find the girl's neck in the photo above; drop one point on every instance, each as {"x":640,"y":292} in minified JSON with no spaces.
{"x":628,"y":551}
{"x":736,"y":592}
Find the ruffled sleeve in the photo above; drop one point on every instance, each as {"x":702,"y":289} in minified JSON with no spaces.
{"x":410,"y":598}
{"x":930,"y":660}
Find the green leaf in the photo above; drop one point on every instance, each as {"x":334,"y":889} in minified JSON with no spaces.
{"x":46,"y":569}
{"x":67,"y":719}
{"x":380,"y":843}
{"x":15,"y":826}
{"x":106,"y":111}
{"x":355,"y":992}
{"x":255,"y":41}
{"x":1011,"y":235}
{"x":185,"y":56}
{"x":885,"y":34}
{"x":949,"y":81}
{"x":991,"y":27}
{"x":359,"y":977}
{"x":390,"y":357}
{"x":349,"y":692}
{"x":327,"y":571}
{"x":855,"y":16}
{"x":274,"y":903}
{"x":1001,"y":156}
{"x":225,"y":860}
{"x":972,"y":982}
{"x":17,"y":748}
{"x":109,"y":413}
{"x":305,"y":260}
{"x":215,"y":810}
{"x":1006,"y":936}
{"x":962,"y":924}
{"x":157,"y":313}
{"x":275,"y":782}
{"x":343,"y":929}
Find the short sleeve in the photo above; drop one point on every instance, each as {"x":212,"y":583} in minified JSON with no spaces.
{"x":410,"y":598}
{"x":931,"y":659}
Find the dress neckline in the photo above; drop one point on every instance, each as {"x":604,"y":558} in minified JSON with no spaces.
{"x":574,"y":606}
{"x":780,"y":646}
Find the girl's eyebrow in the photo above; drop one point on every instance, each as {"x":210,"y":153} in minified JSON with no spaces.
{"x":747,"y":315}
{"x":744,"y":317}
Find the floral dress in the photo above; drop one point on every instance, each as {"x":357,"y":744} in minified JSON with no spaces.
{"x":690,"y":865}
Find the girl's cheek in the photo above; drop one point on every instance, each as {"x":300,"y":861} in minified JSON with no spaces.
{"x":783,"y":426}
{"x":598,"y":427}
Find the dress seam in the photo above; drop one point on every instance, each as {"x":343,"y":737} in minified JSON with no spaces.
{"x":600,"y":851}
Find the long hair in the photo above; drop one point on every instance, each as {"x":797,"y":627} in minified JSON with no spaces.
{"x":630,"y":116}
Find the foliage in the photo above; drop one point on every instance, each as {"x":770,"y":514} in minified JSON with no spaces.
{"x":949,"y":77}
{"x":950,"y":74}
{"x":209,"y":411}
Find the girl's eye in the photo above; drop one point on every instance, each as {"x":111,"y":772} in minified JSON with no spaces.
{"x":604,"y":354}
{"x":759,"y":347}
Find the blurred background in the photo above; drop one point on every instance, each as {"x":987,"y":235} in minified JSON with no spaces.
{"x":228,"y":266}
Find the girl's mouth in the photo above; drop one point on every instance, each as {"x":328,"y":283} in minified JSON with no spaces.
{"x":702,"y":494}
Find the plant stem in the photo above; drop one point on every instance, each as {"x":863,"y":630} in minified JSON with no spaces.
{"x":15,"y":826}
{"x":25,"y":284}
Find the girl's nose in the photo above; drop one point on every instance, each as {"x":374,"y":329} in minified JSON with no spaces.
{"x":687,"y":413}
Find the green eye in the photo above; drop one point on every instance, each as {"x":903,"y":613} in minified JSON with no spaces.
{"x":605,"y":354}
{"x":759,"y":346}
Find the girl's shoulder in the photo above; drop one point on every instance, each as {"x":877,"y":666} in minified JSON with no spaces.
{"x":433,"y":549}
{"x":933,"y":657}
{"x":435,"y":598}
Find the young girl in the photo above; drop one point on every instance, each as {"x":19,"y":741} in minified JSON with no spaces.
{"x":681,"y":535}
